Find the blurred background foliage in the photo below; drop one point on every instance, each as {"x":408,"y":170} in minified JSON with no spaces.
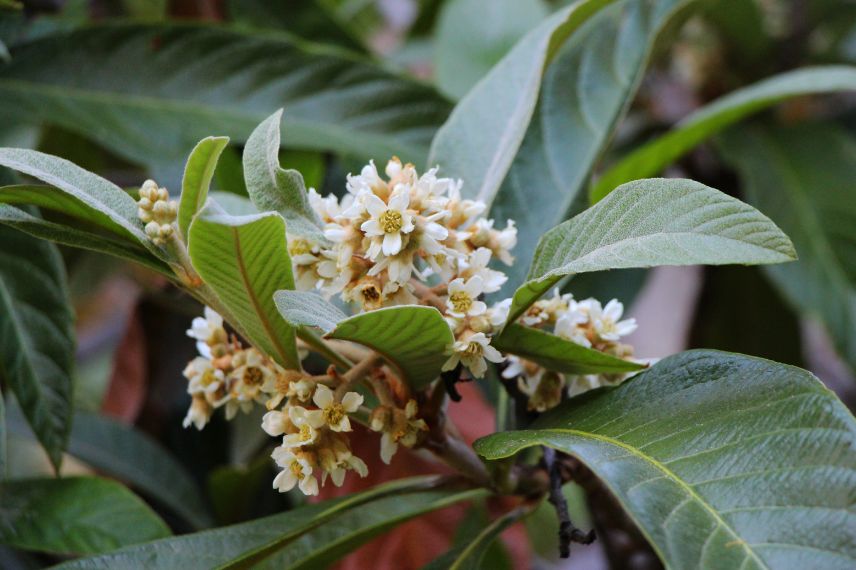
{"x":125,"y":88}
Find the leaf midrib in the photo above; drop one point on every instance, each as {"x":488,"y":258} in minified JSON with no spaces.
{"x":669,"y":474}
{"x":562,"y":271}
{"x":253,"y":297}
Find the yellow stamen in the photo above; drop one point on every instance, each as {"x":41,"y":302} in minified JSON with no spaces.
{"x":461,"y":302}
{"x":391,"y":221}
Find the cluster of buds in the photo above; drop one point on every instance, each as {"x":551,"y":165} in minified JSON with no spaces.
{"x":411,"y":239}
{"x":224,"y":374}
{"x":587,"y":323}
{"x":157,"y":211}
{"x":312,"y":419}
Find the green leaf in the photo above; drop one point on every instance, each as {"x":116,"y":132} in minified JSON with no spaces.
{"x":483,"y":134}
{"x":130,"y":455}
{"x":37,"y":336}
{"x":271,"y":187}
{"x":470,"y":554}
{"x":327,"y":544}
{"x":245,"y":260}
{"x":803,"y":177}
{"x":197,"y":178}
{"x":65,"y":235}
{"x":151,"y":91}
{"x":413,"y":338}
{"x":77,"y":515}
{"x":311,"y":19}
{"x":249,"y":543}
{"x":303,"y":308}
{"x":555,"y":353}
{"x":465,"y":53}
{"x":654,"y":157}
{"x":586,"y":92}
{"x":86,"y":195}
{"x":652,"y":222}
{"x":724,"y":461}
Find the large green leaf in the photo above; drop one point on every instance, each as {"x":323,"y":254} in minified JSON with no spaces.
{"x":37,"y":336}
{"x":123,"y":452}
{"x":804,"y":178}
{"x":273,"y":188}
{"x":586,"y":92}
{"x":724,"y":461}
{"x":65,"y":235}
{"x":484,"y":132}
{"x":78,"y":515}
{"x":311,"y":19}
{"x":87,"y":195}
{"x":464,"y":53}
{"x":558,"y":354}
{"x":413,"y":338}
{"x":328,"y":543}
{"x":651,"y":222}
{"x":198,"y":173}
{"x":244,"y":544}
{"x":245,"y":260}
{"x":655,"y":156}
{"x":150,"y":92}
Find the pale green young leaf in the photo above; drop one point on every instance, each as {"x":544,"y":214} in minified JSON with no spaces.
{"x":804,"y":178}
{"x":152,"y":91}
{"x":722,"y":460}
{"x":77,"y":515}
{"x":66,"y":235}
{"x":89,"y":195}
{"x":273,"y":188}
{"x":556,"y":353}
{"x":244,"y":259}
{"x":653,"y":157}
{"x":198,"y":173}
{"x":37,"y":336}
{"x":586,"y":92}
{"x":415,"y":339}
{"x":250,"y":543}
{"x":302,"y":308}
{"x":658,"y":221}
{"x":483,"y":134}
{"x":464,"y":53}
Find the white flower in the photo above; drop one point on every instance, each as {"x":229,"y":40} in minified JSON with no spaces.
{"x":606,"y":323}
{"x":332,"y":413}
{"x":387,"y":224}
{"x":306,"y":423}
{"x":477,"y":263}
{"x":199,"y":412}
{"x":207,"y":331}
{"x":295,"y":471}
{"x":463,"y":297}
{"x":472,"y":352}
{"x":347,"y":461}
{"x":203,"y":377}
{"x":275,"y":423}
{"x":403,"y":428}
{"x":568,"y":325}
{"x":505,"y":242}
